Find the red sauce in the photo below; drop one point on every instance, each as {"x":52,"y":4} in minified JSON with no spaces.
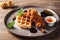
{"x":49,"y":20}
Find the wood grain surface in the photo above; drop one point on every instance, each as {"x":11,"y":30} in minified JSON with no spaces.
{"x":52,"y":4}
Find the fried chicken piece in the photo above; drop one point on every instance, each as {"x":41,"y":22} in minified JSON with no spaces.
{"x":3,"y":5}
{"x":35,"y":17}
{"x":6,"y":4}
{"x":9,"y":3}
{"x":39,"y":22}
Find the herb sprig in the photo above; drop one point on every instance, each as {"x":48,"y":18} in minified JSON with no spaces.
{"x":20,"y":12}
{"x":10,"y":25}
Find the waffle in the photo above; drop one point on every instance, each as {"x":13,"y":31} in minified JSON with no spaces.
{"x":23,"y":22}
{"x":28,"y":18}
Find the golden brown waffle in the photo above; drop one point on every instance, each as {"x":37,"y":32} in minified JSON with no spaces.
{"x":23,"y":21}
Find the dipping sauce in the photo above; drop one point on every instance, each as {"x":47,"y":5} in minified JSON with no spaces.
{"x":50,"y":19}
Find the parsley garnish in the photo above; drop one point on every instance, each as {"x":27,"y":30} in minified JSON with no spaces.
{"x":20,"y":12}
{"x":10,"y":25}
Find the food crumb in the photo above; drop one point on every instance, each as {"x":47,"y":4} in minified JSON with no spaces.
{"x":43,"y":31}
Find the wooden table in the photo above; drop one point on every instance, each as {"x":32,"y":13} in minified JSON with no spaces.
{"x":52,"y":4}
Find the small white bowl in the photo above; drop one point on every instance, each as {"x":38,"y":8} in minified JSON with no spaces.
{"x":53,"y":20}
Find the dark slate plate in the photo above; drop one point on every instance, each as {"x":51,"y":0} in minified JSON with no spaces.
{"x":26,"y":33}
